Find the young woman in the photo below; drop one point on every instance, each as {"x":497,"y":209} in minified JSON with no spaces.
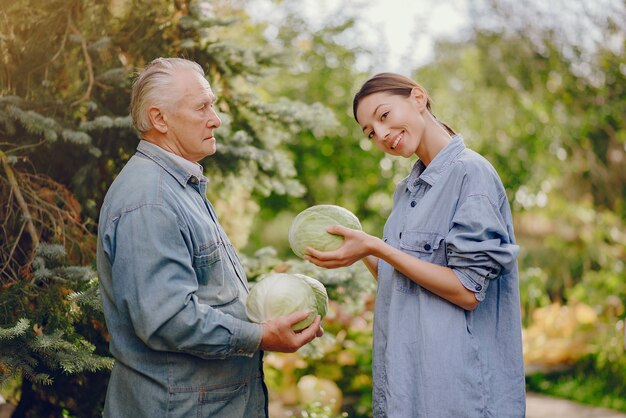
{"x":447,"y":329}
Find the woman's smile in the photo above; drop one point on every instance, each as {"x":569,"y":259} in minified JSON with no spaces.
{"x":397,"y":140}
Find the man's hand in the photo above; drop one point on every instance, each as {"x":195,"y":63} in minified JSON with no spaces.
{"x":279,"y":336}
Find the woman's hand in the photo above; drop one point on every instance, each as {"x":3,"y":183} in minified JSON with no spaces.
{"x":356,"y":246}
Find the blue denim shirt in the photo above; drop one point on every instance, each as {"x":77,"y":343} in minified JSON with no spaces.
{"x":174,"y":294}
{"x":432,"y":358}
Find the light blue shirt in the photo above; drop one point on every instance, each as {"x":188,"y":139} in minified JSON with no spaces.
{"x":174,"y":295}
{"x":431,"y":358}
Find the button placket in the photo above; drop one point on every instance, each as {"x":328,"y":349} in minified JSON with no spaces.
{"x":416,"y":194}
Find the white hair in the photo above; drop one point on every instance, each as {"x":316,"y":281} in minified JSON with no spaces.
{"x":152,"y":88}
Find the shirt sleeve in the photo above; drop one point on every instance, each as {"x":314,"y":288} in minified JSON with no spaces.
{"x":155,"y":283}
{"x":479,"y":247}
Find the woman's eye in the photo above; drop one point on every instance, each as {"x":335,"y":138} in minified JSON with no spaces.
{"x":370,"y":135}
{"x":384,"y":116}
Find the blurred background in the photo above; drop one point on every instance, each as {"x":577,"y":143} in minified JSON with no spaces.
{"x":539,"y":88}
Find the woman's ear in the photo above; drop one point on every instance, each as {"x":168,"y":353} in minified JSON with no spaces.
{"x":419,"y":95}
{"x":158,"y":119}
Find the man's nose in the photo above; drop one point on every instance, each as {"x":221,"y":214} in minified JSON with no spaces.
{"x":214,"y":121}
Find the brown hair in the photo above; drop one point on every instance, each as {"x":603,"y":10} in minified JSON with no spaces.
{"x":395,"y":84}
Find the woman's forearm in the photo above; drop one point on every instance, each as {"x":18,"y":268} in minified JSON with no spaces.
{"x":371,"y":262}
{"x":440,"y":280}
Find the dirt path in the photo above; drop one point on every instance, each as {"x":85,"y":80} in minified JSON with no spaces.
{"x":539,"y":406}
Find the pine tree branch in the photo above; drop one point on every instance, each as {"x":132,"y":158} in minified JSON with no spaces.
{"x":12,"y":252}
{"x":88,"y":62}
{"x":5,"y":57}
{"x":103,"y":86}
{"x":14,"y":150}
{"x":20,"y":199}
{"x":58,"y":53}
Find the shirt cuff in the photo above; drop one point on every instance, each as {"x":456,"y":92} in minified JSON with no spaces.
{"x":247,"y":339}
{"x":472,"y":282}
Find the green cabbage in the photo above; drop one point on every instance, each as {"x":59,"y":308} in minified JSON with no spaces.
{"x":308,"y":228}
{"x":321,"y":297}
{"x":280,"y":294}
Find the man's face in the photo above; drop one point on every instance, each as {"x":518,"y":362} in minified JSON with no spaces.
{"x":191,"y":118}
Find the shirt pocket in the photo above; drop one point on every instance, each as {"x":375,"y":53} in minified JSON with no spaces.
{"x":427,"y":246}
{"x":217,"y":281}
{"x":225,"y":401}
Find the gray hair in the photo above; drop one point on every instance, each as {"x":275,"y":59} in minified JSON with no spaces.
{"x":151,"y":88}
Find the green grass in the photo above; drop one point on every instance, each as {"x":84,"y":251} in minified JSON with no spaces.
{"x":587,"y":383}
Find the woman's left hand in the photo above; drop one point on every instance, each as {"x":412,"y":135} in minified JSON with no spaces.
{"x":356,"y":245}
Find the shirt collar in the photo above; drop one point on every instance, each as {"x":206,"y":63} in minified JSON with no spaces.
{"x":182,"y":170}
{"x":442,"y":160}
{"x":194,"y":168}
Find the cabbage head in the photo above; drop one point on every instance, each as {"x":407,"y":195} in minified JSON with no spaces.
{"x":280,"y":294}
{"x":308,"y":228}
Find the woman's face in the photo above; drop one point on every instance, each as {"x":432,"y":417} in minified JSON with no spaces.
{"x":394,"y":123}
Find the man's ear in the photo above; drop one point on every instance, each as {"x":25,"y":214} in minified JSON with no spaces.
{"x":419,"y":94}
{"x":158,"y":119}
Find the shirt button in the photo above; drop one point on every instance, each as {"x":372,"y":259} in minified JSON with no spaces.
{"x":427,"y":247}
{"x":479,"y":287}
{"x":193,"y":180}
{"x":413,"y":203}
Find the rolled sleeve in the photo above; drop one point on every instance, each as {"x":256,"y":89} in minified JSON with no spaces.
{"x":155,"y":281}
{"x":479,"y":247}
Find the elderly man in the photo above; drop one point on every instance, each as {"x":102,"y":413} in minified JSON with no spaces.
{"x":172,"y":285}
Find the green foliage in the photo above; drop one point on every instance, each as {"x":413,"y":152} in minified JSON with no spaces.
{"x":317,"y":410}
{"x":44,"y":333}
{"x":19,"y":329}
